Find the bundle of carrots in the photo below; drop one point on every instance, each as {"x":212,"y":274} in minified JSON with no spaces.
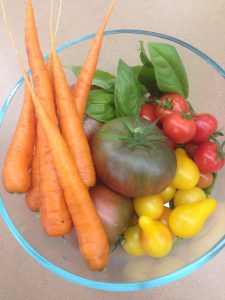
{"x":52,"y":164}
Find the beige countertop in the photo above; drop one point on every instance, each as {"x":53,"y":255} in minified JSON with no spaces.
{"x":200,"y":23}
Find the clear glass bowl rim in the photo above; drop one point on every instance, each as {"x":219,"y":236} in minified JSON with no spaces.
{"x":101,"y":285}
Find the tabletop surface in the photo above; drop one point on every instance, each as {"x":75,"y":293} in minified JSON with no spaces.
{"x":200,"y":23}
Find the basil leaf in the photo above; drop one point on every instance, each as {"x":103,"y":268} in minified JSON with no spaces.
{"x":101,"y":78}
{"x":147,"y":78}
{"x":169,"y":69}
{"x":127,"y":94}
{"x":143,"y":56}
{"x":137,"y":70}
{"x":100,"y":106}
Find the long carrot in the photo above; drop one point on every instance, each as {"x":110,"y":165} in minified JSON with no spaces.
{"x":54,"y":214}
{"x":91,"y":234}
{"x":84,"y":80}
{"x":16,"y":175}
{"x":70,"y":122}
{"x":33,"y":194}
{"x":92,"y":237}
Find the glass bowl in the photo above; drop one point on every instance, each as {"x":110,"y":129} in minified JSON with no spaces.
{"x":124,"y":273}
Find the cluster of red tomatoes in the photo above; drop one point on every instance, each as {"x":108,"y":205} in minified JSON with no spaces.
{"x":196,"y":132}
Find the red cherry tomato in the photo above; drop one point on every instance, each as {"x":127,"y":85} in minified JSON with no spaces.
{"x":206,"y":125}
{"x":170,"y":103}
{"x":190,"y":149}
{"x":148,"y":112}
{"x":207,"y":158}
{"x":178,"y":128}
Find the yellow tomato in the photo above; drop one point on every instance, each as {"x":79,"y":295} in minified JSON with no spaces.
{"x":168,"y":194}
{"x":151,"y":206}
{"x":187,"y":173}
{"x":155,"y":237}
{"x":181,"y":152}
{"x":132,"y":243}
{"x":194,"y":194}
{"x":188,"y":219}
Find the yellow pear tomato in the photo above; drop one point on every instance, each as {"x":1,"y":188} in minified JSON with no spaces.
{"x":132,"y":243}
{"x":168,"y":194}
{"x":187,"y":173}
{"x":151,"y":206}
{"x":194,"y":194}
{"x":155,"y":237}
{"x":188,"y":219}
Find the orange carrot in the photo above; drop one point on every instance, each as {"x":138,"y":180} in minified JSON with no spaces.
{"x":92,"y":237}
{"x":33,"y":195}
{"x":16,"y":175}
{"x":91,"y":234}
{"x":70,"y":122}
{"x":49,"y":69}
{"x":54,"y":214}
{"x":84,"y":80}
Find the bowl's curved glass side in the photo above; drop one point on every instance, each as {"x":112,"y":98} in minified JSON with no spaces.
{"x":103,"y":285}
{"x":209,"y":60}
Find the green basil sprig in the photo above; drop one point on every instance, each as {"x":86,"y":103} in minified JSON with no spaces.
{"x":127,"y":93}
{"x":146,"y":75}
{"x":147,"y":78}
{"x":144,"y":57}
{"x":123,"y":95}
{"x":137,"y":71}
{"x":100,"y":105}
{"x":169,"y":70}
{"x":101,"y":78}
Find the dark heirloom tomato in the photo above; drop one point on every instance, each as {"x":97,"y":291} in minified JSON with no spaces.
{"x":133,"y":158}
{"x":115,"y":211}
